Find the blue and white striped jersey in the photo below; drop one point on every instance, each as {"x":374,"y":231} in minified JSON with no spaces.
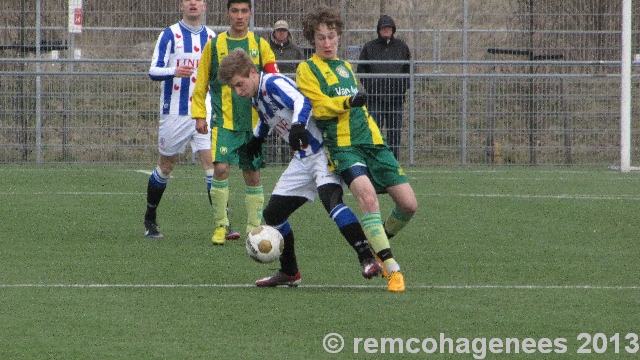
{"x":177,"y":45}
{"x":280,"y":104}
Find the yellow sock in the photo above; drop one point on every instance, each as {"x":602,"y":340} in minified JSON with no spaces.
{"x":396,"y":221}
{"x":219,"y":200}
{"x":254,"y":200}
{"x":373,"y":229}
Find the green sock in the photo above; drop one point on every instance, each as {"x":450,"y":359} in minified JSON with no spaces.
{"x":372,"y":226}
{"x":396,"y":221}
{"x":254,"y":200}
{"x":219,"y":200}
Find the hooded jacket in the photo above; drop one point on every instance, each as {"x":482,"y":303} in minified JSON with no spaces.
{"x":286,"y":51}
{"x":382,"y":49}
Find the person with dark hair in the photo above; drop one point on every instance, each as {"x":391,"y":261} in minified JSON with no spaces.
{"x":355,"y":146}
{"x":286,"y":112}
{"x":174,"y":65}
{"x":232,"y":119}
{"x":386,"y":95}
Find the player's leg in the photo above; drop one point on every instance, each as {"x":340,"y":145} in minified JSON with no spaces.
{"x":156,"y":185}
{"x":254,"y":198}
{"x":403,"y":212}
{"x":331,"y":196}
{"x":276,"y":214}
{"x":219,"y":199}
{"x":254,"y":194}
{"x":201,"y":145}
{"x":223,"y":155}
{"x":174,"y":133}
{"x":365,"y":193}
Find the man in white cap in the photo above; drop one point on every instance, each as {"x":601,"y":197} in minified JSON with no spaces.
{"x":284,"y":49}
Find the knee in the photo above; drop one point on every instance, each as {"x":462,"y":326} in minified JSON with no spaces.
{"x":408,"y":207}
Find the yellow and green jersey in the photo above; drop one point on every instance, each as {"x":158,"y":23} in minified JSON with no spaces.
{"x":229,"y":110}
{"x":329,"y":84}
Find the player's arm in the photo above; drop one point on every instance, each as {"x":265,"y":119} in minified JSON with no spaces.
{"x":159,"y":69}
{"x":324,"y":107}
{"x":292,"y":99}
{"x":268,"y":58}
{"x":198,"y":105}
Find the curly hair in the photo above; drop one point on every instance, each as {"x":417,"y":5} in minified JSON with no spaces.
{"x":323,"y":14}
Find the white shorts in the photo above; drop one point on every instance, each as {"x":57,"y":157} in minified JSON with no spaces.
{"x":303,"y":176}
{"x":178,"y":130}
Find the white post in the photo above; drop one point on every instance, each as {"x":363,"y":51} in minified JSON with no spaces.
{"x":625,"y":89}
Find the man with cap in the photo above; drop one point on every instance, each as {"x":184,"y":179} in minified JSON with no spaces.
{"x":283,"y":48}
{"x":386,"y":94}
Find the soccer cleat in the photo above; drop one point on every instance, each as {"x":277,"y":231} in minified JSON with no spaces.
{"x":280,"y":279}
{"x":385,"y":274}
{"x":232,"y":235}
{"x":371,"y":268}
{"x":220,"y":235}
{"x":151,"y":230}
{"x":396,"y":282}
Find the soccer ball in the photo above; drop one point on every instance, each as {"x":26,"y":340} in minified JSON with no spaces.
{"x":264,"y":244}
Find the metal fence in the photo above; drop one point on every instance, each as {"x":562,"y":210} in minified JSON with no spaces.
{"x":493,"y":82}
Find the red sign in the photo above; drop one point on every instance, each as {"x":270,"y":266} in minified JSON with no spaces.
{"x":77,"y":16}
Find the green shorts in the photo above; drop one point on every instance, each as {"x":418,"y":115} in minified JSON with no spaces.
{"x":230,"y":147}
{"x":384,"y":170}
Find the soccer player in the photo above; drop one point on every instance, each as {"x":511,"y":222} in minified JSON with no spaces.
{"x":232,"y":118}
{"x":174,"y":64}
{"x":356,"y":148}
{"x":283,"y":109}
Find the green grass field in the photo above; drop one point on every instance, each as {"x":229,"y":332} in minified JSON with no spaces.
{"x":518,"y":253}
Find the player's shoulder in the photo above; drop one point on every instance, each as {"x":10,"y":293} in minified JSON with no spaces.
{"x":210,"y":31}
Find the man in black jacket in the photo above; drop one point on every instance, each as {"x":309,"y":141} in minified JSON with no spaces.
{"x":386,"y":94}
{"x":283,"y":48}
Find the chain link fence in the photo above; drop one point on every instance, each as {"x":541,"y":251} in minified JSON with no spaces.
{"x":494,"y":82}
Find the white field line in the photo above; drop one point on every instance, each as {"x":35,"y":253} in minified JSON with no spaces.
{"x":329,"y":286}
{"x":511,"y":196}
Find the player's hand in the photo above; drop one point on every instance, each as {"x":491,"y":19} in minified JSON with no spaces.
{"x":298,"y":137}
{"x":254,"y":147}
{"x":201,"y":126}
{"x":358,"y":100}
{"x":184,"y":71}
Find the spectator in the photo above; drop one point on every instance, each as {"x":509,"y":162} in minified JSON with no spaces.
{"x":283,"y":48}
{"x":386,"y":94}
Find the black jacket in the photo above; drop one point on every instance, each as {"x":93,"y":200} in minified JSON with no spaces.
{"x":381,"y":49}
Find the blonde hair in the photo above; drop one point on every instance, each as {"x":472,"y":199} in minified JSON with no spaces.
{"x":238,"y":62}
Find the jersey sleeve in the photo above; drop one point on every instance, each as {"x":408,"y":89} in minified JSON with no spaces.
{"x":268,"y":57}
{"x":323,"y":106}
{"x":198,"y":105}
{"x":292,"y":98}
{"x":159,"y":70}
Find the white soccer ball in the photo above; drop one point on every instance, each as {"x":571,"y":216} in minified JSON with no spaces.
{"x":264,"y":244}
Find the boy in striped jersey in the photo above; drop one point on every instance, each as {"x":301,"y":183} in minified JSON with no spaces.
{"x":174,"y":64}
{"x":357,"y":150}
{"x":232,"y":118}
{"x":284,"y":110}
